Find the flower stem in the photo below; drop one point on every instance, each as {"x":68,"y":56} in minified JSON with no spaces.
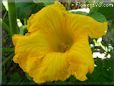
{"x":12,"y":17}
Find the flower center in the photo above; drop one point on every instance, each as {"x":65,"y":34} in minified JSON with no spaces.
{"x":64,"y":46}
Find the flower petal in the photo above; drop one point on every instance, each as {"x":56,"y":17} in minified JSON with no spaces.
{"x":49,"y":19}
{"x":53,"y":67}
{"x":78,"y":24}
{"x":80,"y":58}
{"x":30,"y":48}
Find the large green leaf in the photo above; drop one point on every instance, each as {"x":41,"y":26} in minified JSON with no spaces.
{"x":108,"y":12}
{"x":98,"y":16}
{"x":24,"y":10}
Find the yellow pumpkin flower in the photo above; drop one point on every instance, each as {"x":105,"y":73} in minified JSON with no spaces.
{"x":56,"y":45}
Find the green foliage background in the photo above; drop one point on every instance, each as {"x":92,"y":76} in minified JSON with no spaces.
{"x":11,"y":72}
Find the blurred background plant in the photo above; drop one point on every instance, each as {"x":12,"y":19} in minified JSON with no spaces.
{"x":15,"y":14}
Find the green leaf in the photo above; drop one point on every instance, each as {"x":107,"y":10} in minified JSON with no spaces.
{"x":108,"y":12}
{"x":94,"y":9}
{"x":46,"y":2}
{"x":15,"y":78}
{"x":98,"y":16}
{"x":102,"y":72}
{"x":24,"y":10}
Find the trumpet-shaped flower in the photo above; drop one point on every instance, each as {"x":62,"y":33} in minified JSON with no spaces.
{"x":56,"y":45}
